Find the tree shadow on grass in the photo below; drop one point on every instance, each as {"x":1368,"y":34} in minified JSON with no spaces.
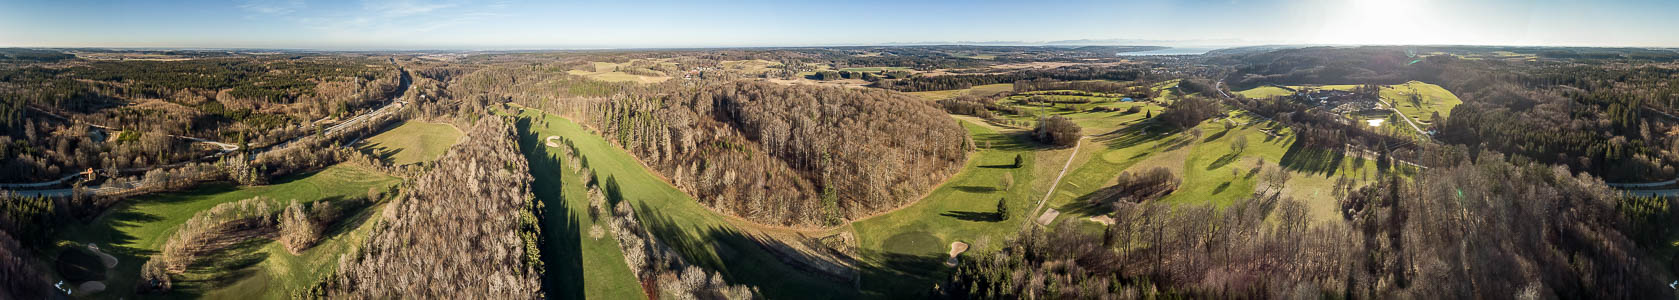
{"x":891,"y":275}
{"x":1221,"y":187}
{"x":354,"y":213}
{"x":1312,"y":161}
{"x":973,"y":216}
{"x":226,"y":265}
{"x":562,"y":249}
{"x":1132,"y":135}
{"x":773,"y":267}
{"x":1224,"y":160}
{"x":382,"y":153}
{"x":1215,"y":136}
{"x":976,"y":189}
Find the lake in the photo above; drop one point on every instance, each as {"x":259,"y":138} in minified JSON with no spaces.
{"x":1170,"y":51}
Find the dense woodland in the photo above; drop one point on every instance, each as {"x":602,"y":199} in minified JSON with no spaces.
{"x":78,"y":114}
{"x":466,"y":227}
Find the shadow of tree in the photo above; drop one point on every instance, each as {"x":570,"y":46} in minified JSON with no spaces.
{"x":974,"y":216}
{"x":1305,"y":159}
{"x":562,"y":250}
{"x":976,"y":189}
{"x":746,"y":259}
{"x":1224,"y":160}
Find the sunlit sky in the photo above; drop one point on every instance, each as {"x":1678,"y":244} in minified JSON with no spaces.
{"x":515,"y":24}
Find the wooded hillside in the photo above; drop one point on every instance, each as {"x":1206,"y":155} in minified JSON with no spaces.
{"x":465,"y":229}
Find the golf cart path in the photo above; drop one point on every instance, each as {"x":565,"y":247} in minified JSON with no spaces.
{"x":1057,"y":182}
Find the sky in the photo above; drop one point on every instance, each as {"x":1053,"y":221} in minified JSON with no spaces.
{"x":569,"y":24}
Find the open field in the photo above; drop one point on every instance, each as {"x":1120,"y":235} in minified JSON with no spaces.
{"x":413,"y":142}
{"x":256,"y":269}
{"x":978,"y":90}
{"x":911,"y":242}
{"x":702,"y":236}
{"x":604,"y":71}
{"x":1265,"y":92}
{"x":1429,"y":99}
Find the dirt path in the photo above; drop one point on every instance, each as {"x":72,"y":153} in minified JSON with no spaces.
{"x":1058,"y":176}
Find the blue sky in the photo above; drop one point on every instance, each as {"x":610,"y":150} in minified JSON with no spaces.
{"x":516,"y":24}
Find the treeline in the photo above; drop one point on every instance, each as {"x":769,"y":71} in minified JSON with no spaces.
{"x":789,"y":154}
{"x":1472,"y":230}
{"x":24,"y":221}
{"x":765,"y":152}
{"x":469,"y":227}
{"x":661,"y":269}
{"x":956,"y":82}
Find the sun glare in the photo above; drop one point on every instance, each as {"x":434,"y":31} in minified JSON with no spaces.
{"x":1378,"y":22}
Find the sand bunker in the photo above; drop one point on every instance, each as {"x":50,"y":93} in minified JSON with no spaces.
{"x":1048,"y":216}
{"x":956,"y":248}
{"x":552,"y":141}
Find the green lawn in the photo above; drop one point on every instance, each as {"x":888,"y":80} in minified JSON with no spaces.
{"x":1429,"y":100}
{"x":579,"y":266}
{"x":1092,"y":122}
{"x":975,"y":90}
{"x":1205,"y":164}
{"x":413,"y":142}
{"x":138,"y":227}
{"x":1265,"y":92}
{"x":908,"y":246}
{"x":700,"y":235}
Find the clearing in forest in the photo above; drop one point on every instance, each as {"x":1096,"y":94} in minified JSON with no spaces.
{"x":413,"y":142}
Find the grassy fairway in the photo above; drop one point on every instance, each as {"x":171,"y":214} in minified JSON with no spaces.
{"x":1092,"y":122}
{"x":975,"y":90}
{"x":912,"y":242}
{"x":1429,"y":99}
{"x":702,"y":236}
{"x":1211,"y":171}
{"x":1265,"y":92}
{"x":413,"y":142}
{"x":579,"y":266}
{"x":260,"y":269}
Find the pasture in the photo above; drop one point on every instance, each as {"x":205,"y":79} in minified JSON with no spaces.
{"x":412,"y":142}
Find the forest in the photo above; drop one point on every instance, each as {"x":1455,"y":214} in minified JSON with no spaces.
{"x":442,"y":238}
{"x":1456,"y":232}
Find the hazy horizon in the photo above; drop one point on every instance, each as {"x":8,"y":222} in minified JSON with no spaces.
{"x":522,"y":25}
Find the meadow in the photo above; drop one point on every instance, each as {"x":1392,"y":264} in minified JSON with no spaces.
{"x":412,"y":142}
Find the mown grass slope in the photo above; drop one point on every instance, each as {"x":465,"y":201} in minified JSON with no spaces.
{"x":413,"y":142}
{"x":134,"y":230}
